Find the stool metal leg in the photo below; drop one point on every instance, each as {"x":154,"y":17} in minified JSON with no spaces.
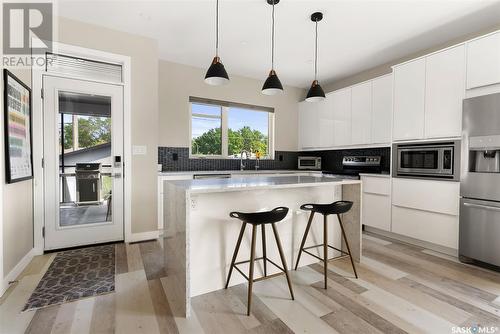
{"x":283,"y":260}
{"x":347,"y":245}
{"x":325,"y":249}
{"x":264,"y":256}
{"x":235,"y":254}
{"x":250,"y":274}
{"x":302,"y":244}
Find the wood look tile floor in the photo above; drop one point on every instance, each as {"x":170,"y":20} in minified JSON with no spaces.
{"x":401,"y":289}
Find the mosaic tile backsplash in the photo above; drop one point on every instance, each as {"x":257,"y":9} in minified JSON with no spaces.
{"x":177,"y":159}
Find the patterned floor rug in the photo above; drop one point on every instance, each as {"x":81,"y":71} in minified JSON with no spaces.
{"x":76,"y":274}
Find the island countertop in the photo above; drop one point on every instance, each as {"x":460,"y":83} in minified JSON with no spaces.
{"x":260,"y":182}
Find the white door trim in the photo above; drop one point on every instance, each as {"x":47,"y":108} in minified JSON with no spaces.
{"x":38,"y":193}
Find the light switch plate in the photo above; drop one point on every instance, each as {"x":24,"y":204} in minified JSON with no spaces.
{"x":139,"y":150}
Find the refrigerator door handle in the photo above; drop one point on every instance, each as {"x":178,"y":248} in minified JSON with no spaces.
{"x":479,"y":206}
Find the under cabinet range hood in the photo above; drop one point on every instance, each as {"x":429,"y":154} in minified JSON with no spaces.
{"x":479,"y":229}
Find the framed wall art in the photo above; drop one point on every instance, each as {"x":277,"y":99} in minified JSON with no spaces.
{"x":17,"y":129}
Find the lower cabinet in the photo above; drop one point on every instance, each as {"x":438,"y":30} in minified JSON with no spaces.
{"x":426,"y":210}
{"x":376,"y":202}
{"x":437,"y":228}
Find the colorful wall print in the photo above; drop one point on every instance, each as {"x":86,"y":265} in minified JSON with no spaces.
{"x":17,"y":112}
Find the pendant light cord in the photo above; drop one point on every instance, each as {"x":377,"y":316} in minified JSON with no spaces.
{"x":217,"y":29}
{"x":272,"y":41}
{"x":316,"y":54}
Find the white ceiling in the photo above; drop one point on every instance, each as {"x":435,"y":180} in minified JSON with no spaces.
{"x":354,"y":35}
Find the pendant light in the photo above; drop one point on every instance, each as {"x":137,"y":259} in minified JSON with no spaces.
{"x":216,"y":74}
{"x":272,"y":85}
{"x":316,"y":93}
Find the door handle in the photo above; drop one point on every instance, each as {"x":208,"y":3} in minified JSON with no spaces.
{"x":479,"y":206}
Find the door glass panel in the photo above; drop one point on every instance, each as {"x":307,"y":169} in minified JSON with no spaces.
{"x":419,"y":159}
{"x":85,"y":159}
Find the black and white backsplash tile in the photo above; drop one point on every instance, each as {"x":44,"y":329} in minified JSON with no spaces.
{"x":175,"y":159}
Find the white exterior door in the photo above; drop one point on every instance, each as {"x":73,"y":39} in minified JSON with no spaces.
{"x":83,"y":127}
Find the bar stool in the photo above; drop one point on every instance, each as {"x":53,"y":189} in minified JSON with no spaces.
{"x":255,"y":219}
{"x":335,"y":208}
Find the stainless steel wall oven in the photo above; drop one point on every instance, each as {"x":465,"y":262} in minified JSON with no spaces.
{"x":431,"y":160}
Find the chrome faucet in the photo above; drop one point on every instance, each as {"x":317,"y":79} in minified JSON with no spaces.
{"x":242,"y":165}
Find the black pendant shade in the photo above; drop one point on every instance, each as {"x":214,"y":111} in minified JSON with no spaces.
{"x":315,"y":93}
{"x":272,"y":85}
{"x":216,"y":74}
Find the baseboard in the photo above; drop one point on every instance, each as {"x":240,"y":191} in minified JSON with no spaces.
{"x":17,"y":270}
{"x":143,"y":236}
{"x":413,"y":241}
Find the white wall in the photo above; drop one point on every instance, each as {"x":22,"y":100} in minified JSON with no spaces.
{"x":178,"y":82}
{"x":17,"y":203}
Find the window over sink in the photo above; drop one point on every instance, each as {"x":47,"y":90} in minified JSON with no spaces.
{"x":222,"y":129}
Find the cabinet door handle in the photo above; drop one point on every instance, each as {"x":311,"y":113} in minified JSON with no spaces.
{"x":486,"y":207}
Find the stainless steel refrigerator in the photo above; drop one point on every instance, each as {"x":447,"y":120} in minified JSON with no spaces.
{"x":479,"y":231}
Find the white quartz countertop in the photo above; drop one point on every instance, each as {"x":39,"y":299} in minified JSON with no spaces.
{"x":262,"y":182}
{"x":375,"y":175}
{"x":242,"y":172}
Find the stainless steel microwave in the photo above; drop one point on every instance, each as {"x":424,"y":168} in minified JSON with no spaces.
{"x":436,"y":160}
{"x":309,"y":163}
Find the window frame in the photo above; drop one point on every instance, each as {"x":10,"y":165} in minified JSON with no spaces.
{"x":224,"y":127}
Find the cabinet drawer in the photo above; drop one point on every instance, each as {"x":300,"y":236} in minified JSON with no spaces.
{"x":376,"y":211}
{"x":432,"y":227}
{"x":428,"y":195}
{"x":376,"y":185}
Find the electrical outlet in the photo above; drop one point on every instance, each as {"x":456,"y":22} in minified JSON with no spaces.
{"x":194,"y":203}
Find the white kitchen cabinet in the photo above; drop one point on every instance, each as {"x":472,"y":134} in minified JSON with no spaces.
{"x":436,"y":228}
{"x":341,"y":104}
{"x":325,"y":122}
{"x":381,"y":127}
{"x":428,"y":195}
{"x":361,"y":111}
{"x":426,"y":210}
{"x":316,"y":124}
{"x":444,"y":93}
{"x":376,"y":202}
{"x":308,"y":117}
{"x":409,"y":100}
{"x":483,"y":61}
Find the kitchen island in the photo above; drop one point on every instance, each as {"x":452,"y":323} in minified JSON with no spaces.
{"x":199,"y":235}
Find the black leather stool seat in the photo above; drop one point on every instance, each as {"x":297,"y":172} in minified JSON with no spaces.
{"x":258,"y":218}
{"x":335,"y":208}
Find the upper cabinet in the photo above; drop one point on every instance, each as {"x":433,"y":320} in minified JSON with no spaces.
{"x":428,"y":95}
{"x":361,"y":109}
{"x":444,"y":92}
{"x":381,"y":110}
{"x":326,"y":123}
{"x":308,"y":116}
{"x":316,"y":124}
{"x":409,"y":100}
{"x":341,"y":104}
{"x":483,"y":61}
{"x":357,"y":115}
